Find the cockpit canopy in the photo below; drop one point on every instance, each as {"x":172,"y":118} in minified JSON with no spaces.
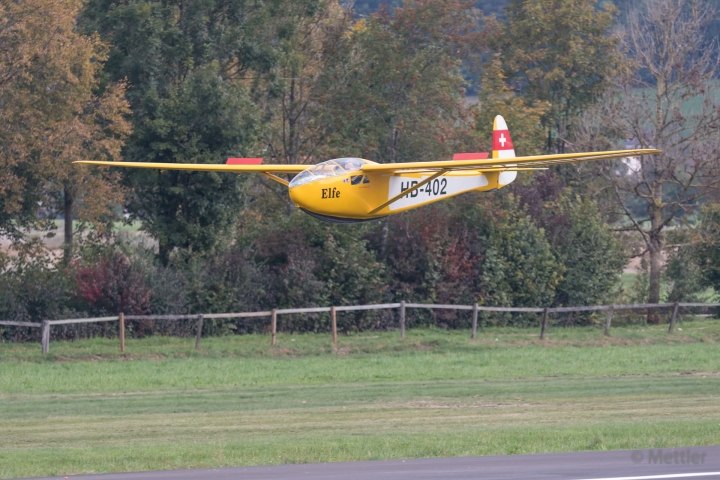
{"x":338,"y":166}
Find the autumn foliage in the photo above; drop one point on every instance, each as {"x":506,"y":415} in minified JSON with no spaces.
{"x":300,"y":82}
{"x":112,"y":284}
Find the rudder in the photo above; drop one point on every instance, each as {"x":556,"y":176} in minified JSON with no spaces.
{"x":503,"y":148}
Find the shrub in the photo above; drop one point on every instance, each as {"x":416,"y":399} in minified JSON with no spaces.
{"x":111,"y":285}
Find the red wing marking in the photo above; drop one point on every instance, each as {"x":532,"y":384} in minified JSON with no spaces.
{"x":471,"y":156}
{"x":244,"y":161}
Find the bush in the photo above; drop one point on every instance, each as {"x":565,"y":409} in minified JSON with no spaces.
{"x":591,"y":257}
{"x":539,"y":247}
{"x":682,"y":271}
{"x":32,"y":289}
{"x":112,"y":284}
{"x":520,"y":269}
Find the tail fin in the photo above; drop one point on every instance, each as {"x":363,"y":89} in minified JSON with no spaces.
{"x":503,"y":148}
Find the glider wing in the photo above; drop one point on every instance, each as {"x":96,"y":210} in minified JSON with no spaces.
{"x":512,"y":163}
{"x":202,"y":167}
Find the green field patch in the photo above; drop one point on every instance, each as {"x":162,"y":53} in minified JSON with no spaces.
{"x":237,"y":401}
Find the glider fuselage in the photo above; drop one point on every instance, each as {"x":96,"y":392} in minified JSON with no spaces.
{"x":355,"y":196}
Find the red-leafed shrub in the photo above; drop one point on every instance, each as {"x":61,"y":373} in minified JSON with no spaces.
{"x":434,"y":257}
{"x":113,"y":284}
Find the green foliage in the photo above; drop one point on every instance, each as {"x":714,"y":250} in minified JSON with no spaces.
{"x":496,"y":97}
{"x":435,"y":255}
{"x":351,"y":272}
{"x":185,"y":63}
{"x":560,"y":52}
{"x":32,"y":287}
{"x":682,"y":269}
{"x":457,"y":252}
{"x":203,"y":119}
{"x":367,"y":7}
{"x":403,"y":99}
{"x":707,"y":253}
{"x":465,"y":251}
{"x":592,"y":256}
{"x":309,"y":263}
{"x":296,"y":81}
{"x":520,"y":268}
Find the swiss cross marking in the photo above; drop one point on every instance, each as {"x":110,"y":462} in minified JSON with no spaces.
{"x":502,"y":140}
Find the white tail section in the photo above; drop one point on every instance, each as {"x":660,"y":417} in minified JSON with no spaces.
{"x":503,"y":148}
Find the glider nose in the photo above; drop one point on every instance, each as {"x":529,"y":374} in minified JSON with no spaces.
{"x":294,"y":196}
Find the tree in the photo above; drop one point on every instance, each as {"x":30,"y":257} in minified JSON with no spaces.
{"x":668,"y":100}
{"x":296,"y":98}
{"x":524,"y":114}
{"x":591,"y":256}
{"x":55,"y":110}
{"x":190,"y":67}
{"x":682,"y":270}
{"x":519,"y":268}
{"x":95,"y":128}
{"x":404,"y":94}
{"x":560,"y":52}
{"x":707,"y":253}
{"x":303,"y":82}
{"x":200,"y":120}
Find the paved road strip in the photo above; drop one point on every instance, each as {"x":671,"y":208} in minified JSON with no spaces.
{"x":649,"y":477}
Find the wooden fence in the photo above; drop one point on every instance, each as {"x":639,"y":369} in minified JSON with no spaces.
{"x":402,"y":306}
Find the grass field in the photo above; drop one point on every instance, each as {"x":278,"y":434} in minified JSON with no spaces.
{"x":85,"y":408}
{"x":627,"y":282}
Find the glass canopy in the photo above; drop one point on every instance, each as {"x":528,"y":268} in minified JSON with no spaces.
{"x":338,"y":166}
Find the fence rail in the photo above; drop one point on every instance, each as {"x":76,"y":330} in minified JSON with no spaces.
{"x":46,"y":324}
{"x":82,"y":320}
{"x":20,"y":324}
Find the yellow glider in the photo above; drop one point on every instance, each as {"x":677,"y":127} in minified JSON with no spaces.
{"x":348,"y":190}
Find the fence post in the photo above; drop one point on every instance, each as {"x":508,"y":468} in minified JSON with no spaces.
{"x":402,"y":319}
{"x":475,"y":315}
{"x":544,"y":323}
{"x":45,"y":339}
{"x":121,"y":331}
{"x":273,"y":326}
{"x":333,"y":317}
{"x":608,"y":320}
{"x":199,"y":331}
{"x":674,"y":317}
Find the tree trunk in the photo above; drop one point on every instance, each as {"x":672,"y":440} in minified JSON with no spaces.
{"x":549,"y":141}
{"x":164,"y":253}
{"x":68,"y":216}
{"x":292,"y":154}
{"x":384,"y":236}
{"x":394,"y":136}
{"x":655,"y":270}
{"x":655,"y":249}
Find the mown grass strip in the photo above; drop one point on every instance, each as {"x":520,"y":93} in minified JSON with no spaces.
{"x":206,"y":449}
{"x":211,"y":373}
